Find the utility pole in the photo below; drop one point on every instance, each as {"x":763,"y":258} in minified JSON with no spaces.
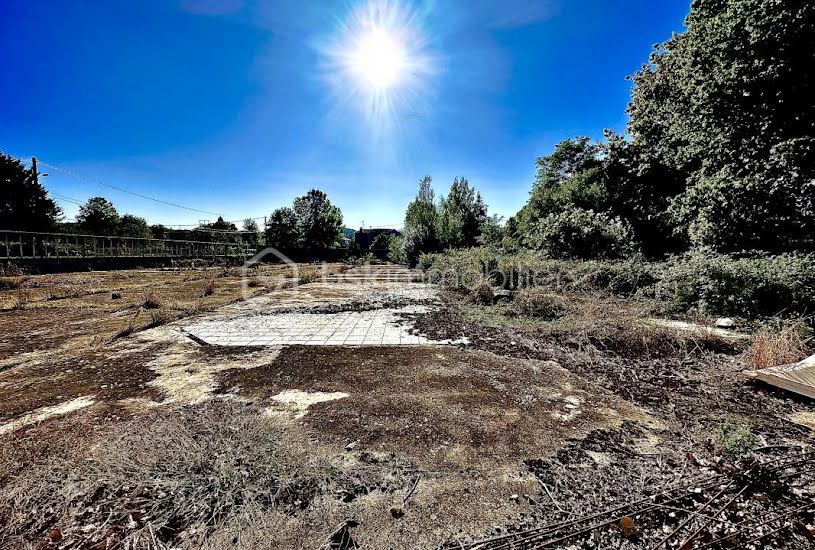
{"x":34,"y":169}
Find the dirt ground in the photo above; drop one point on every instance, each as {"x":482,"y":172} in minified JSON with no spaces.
{"x":118,"y":430}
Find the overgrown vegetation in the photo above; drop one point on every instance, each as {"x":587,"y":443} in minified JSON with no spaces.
{"x":175,"y":484}
{"x":712,"y":182}
{"x":702,"y":281}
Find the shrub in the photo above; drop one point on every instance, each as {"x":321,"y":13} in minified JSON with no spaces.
{"x":735,"y":440}
{"x":585,"y":234}
{"x":11,"y":283}
{"x":152,"y":300}
{"x":536,"y":303}
{"x":426,"y":260}
{"x":482,"y":294}
{"x":209,"y":287}
{"x":716,"y":283}
{"x":396,"y":250}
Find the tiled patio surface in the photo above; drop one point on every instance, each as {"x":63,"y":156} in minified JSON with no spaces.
{"x":379,"y":327}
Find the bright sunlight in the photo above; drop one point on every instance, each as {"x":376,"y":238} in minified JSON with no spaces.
{"x":377,"y":62}
{"x":379,"y":59}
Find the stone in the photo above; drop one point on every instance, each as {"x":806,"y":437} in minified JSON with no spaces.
{"x":725,"y":322}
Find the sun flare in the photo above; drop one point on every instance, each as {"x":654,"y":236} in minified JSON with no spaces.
{"x":378,"y":62}
{"x":379,"y":59}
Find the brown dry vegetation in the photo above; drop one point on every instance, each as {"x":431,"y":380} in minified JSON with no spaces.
{"x":771,"y":348}
{"x":562,"y":402}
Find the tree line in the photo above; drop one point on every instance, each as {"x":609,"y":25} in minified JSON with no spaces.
{"x":719,"y":152}
{"x":312,"y":222}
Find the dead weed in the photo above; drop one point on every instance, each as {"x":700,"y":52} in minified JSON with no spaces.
{"x":772,"y":348}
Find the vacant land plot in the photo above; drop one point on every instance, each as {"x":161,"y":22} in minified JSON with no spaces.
{"x":188,"y":409}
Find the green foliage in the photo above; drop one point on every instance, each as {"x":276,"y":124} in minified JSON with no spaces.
{"x":728,"y":105}
{"x":220,"y":231}
{"x":461,"y":215}
{"x":764,"y":285}
{"x":426,"y":260}
{"x":702,"y":281}
{"x":98,"y":216}
{"x":133,"y":226}
{"x":396,"y":250}
{"x":24,"y":203}
{"x":420,"y":233}
{"x":318,"y":221}
{"x":158,"y":231}
{"x":491,"y":233}
{"x":253,"y":235}
{"x":282,"y":230}
{"x":735,"y":440}
{"x":578,"y":233}
{"x":381,"y":242}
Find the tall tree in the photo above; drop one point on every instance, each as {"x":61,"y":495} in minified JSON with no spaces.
{"x":219,"y":231}
{"x":24,"y":202}
{"x":569,"y":177}
{"x":98,"y":216}
{"x":461,"y":214}
{"x":252,"y":232}
{"x":728,"y":104}
{"x":282,"y":230}
{"x":134,"y":226}
{"x":158,"y":231}
{"x":318,"y":220}
{"x":420,"y":223}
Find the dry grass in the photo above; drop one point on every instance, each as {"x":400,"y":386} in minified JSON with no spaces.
{"x":11,"y":283}
{"x":152,"y":300}
{"x":172,"y":485}
{"x":538,"y":303}
{"x":771,"y":348}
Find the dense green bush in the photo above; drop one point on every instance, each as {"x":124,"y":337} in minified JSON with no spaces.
{"x":702,"y":280}
{"x":579,"y":233}
{"x":764,"y":285}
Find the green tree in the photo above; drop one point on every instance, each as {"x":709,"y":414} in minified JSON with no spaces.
{"x":252,"y":235}
{"x":219,"y":231}
{"x":420,"y":233}
{"x":133,"y":226}
{"x":24,"y":202}
{"x":98,"y":216}
{"x":582,"y":234}
{"x":491,"y":232}
{"x":728,"y":105}
{"x":318,"y":221}
{"x":381,"y":242}
{"x":461,"y":215}
{"x":158,"y":231}
{"x":282,"y":230}
{"x":569,"y":177}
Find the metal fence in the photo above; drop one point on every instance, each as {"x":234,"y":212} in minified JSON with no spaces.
{"x":26,"y":245}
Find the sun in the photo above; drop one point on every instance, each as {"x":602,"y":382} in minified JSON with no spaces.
{"x":378,"y":62}
{"x":378,"y":59}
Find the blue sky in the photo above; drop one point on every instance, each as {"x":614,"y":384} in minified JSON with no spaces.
{"x":236,"y":107}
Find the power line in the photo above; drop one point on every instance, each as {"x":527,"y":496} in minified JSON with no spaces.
{"x":98,"y":182}
{"x":66,"y":199}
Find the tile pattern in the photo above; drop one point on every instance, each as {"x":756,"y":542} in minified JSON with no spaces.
{"x":380,"y":327}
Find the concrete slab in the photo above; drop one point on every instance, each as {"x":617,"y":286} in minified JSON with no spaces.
{"x":382,"y":327}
